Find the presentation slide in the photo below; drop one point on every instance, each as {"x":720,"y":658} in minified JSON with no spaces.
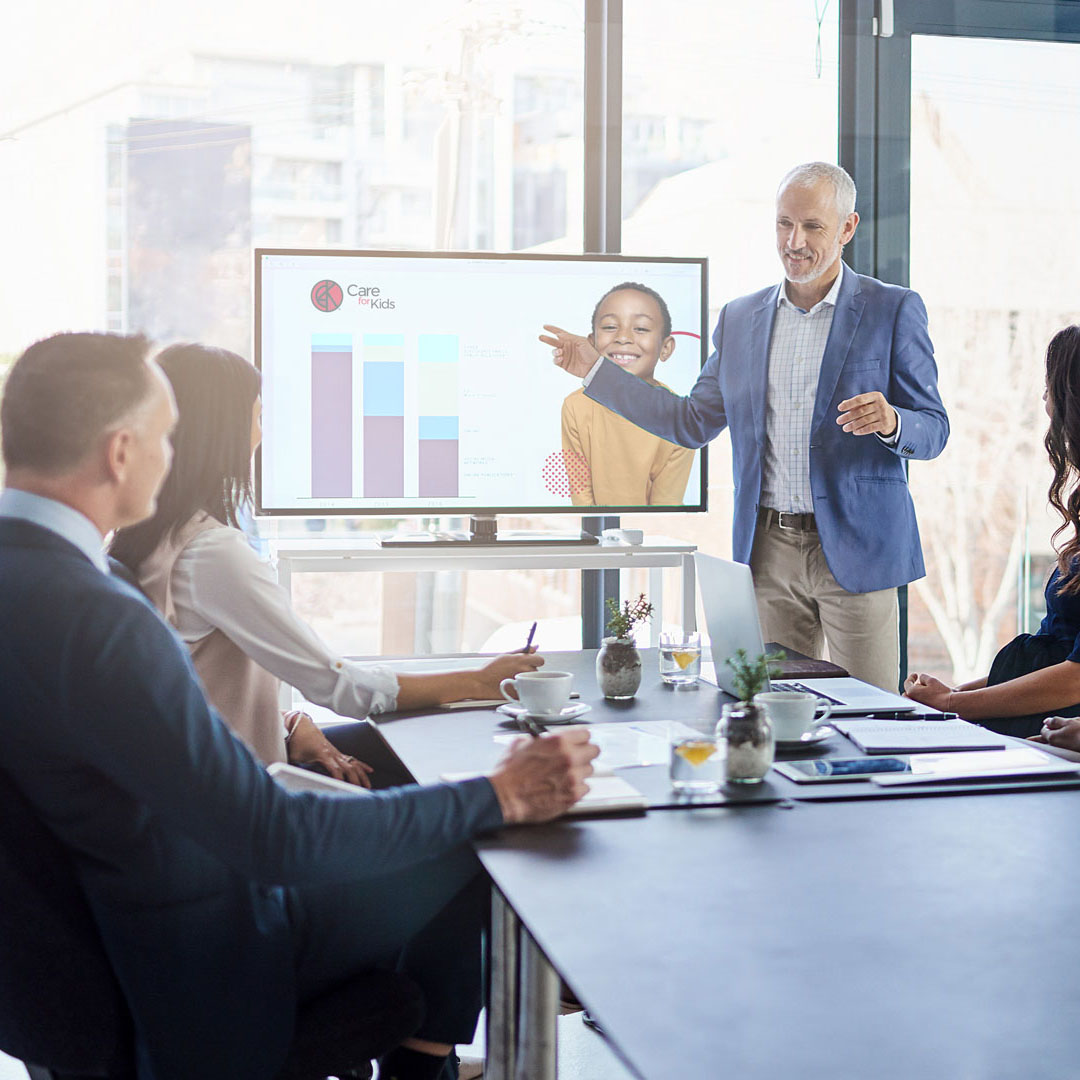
{"x":419,"y":384}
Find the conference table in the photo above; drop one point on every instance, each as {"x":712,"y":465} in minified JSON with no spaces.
{"x":891,"y":937}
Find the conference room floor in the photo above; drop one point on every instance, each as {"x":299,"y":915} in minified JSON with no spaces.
{"x":583,"y":1055}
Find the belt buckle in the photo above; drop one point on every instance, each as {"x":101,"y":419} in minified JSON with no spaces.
{"x":780,"y":515}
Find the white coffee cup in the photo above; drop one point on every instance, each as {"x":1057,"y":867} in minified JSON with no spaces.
{"x":792,"y":713}
{"x":543,"y":693}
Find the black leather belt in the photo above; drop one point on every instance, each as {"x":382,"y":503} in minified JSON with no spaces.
{"x":784,"y":520}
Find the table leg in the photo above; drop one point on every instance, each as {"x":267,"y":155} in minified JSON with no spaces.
{"x":538,"y":1016}
{"x":502,"y":1005}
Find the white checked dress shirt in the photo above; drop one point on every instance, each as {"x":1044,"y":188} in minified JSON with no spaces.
{"x":795,"y":353}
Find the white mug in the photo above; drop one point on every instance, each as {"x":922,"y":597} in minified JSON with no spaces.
{"x":543,"y":693}
{"x":792,"y":713}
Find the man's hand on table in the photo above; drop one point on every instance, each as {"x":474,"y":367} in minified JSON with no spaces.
{"x":539,"y":779}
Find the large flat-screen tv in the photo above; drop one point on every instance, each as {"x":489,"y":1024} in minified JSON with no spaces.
{"x":398,"y":383}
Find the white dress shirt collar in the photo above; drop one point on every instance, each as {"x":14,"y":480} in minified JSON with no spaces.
{"x":829,"y":298}
{"x":58,"y":518}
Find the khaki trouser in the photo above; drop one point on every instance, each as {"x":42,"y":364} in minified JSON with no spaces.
{"x":801,"y":606}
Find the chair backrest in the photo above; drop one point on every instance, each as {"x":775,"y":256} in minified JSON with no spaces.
{"x":60,"y":1005}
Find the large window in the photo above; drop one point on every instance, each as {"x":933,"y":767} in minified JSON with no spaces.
{"x":717,"y":106}
{"x":961,"y":120}
{"x":993,"y":173}
{"x":137,"y":176}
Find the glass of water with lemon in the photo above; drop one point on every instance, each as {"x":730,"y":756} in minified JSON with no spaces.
{"x":697,"y":758}
{"x":680,"y":657}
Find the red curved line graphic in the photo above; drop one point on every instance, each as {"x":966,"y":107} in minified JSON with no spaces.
{"x":685,"y":333}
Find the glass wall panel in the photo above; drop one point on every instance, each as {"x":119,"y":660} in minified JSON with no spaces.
{"x":994,"y":161}
{"x":136,"y":176}
{"x":718,"y":104}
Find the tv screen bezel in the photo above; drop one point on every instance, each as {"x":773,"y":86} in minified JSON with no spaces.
{"x":700,"y":507}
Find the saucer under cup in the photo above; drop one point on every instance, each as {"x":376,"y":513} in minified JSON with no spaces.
{"x":566,"y":716}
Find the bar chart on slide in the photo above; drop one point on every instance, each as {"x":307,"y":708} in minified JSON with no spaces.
{"x":439,"y":428}
{"x":331,"y":415}
{"x":372,"y":395}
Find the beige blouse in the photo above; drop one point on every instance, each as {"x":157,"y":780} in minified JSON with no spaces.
{"x":238,"y":623}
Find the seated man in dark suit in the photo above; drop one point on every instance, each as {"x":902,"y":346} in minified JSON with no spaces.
{"x":222,"y":900}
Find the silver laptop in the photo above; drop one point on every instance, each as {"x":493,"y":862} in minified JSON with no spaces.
{"x":727,"y":593}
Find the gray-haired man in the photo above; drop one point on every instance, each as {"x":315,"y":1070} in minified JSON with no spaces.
{"x":828,"y":383}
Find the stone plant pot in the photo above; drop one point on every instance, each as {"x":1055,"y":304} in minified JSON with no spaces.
{"x":618,"y":668}
{"x":747,"y":730}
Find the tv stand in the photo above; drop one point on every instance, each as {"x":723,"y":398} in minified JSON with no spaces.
{"x":330,"y":554}
{"x":484,"y":532}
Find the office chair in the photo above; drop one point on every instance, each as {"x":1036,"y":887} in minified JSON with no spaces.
{"x":61,"y":1008}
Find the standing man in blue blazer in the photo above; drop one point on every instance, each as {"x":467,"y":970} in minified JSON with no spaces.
{"x":828,"y":384}
{"x":222,"y":900}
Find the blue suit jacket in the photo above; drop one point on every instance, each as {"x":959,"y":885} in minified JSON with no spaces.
{"x":179,"y":838}
{"x":862,"y":507}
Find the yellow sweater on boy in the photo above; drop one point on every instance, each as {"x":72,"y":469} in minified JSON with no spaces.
{"x":627,"y":466}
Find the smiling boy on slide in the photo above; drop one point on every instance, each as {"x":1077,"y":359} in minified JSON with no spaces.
{"x":627,"y":466}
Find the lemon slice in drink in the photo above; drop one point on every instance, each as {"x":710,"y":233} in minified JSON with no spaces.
{"x":684,"y":659}
{"x":696,"y":752}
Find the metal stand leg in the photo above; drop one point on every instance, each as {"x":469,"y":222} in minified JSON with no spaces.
{"x":284,"y":576}
{"x":502,"y":1006}
{"x":537,"y":1031}
{"x":689,"y":595}
{"x":656,"y":595}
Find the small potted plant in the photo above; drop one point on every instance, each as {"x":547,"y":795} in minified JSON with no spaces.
{"x":618,"y":663}
{"x":745,"y":725}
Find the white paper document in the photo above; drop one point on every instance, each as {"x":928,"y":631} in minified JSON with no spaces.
{"x":623,"y":746}
{"x":606,"y":794}
{"x":902,"y":736}
{"x":1019,"y":763}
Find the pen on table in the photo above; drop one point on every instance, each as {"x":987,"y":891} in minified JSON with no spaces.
{"x":529,"y":639}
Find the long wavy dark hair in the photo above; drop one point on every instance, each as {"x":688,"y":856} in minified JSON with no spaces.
{"x":215,"y":392}
{"x":1063,"y":445}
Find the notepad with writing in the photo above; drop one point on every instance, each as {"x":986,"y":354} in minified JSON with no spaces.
{"x":606,"y":795}
{"x":907,"y":736}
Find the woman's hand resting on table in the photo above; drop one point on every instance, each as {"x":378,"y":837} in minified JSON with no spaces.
{"x":927,"y":690}
{"x":1063,"y":731}
{"x":307,"y":745}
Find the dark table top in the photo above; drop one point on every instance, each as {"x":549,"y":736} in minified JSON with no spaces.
{"x":873,"y":940}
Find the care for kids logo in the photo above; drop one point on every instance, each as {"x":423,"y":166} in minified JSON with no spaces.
{"x":326,"y":295}
{"x":370,"y":296}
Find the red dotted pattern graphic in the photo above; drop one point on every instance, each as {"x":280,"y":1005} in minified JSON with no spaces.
{"x":566,"y":473}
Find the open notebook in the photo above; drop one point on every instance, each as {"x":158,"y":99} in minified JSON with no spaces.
{"x":607,"y":794}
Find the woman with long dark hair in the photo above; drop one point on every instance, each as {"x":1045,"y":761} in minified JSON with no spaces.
{"x":194,"y":562}
{"x":1037,"y":676}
